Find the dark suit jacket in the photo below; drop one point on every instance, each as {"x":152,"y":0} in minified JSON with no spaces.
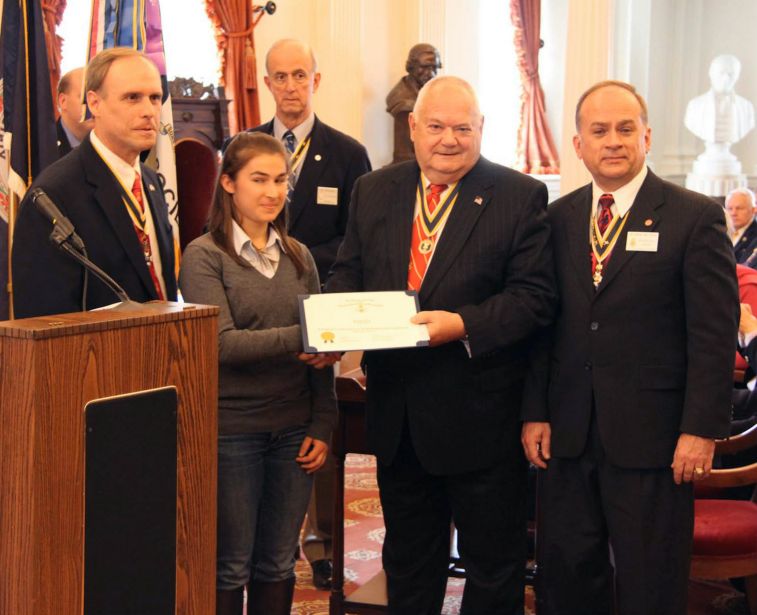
{"x":652,"y":348}
{"x":334,"y":160}
{"x":47,"y":281}
{"x":63,"y":145}
{"x":746,"y":245}
{"x":493,"y":266}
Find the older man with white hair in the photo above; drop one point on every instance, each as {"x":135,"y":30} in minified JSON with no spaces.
{"x":740,"y":207}
{"x":470,"y":237}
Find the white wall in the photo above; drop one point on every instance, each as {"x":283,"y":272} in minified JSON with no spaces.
{"x":554,"y":17}
{"x":362,"y":46}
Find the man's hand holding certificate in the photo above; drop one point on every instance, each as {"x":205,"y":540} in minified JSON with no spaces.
{"x":337,"y":322}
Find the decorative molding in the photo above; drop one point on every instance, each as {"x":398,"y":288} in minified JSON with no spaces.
{"x":432,"y":24}
{"x":182,"y":87}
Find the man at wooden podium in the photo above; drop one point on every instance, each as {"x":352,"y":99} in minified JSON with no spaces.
{"x":114,"y":202}
{"x":443,"y":420}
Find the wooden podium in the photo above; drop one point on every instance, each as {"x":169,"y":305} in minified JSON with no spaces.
{"x":50,"y":369}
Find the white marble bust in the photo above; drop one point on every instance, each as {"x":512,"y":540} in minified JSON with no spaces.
{"x":720,"y":115}
{"x":720,"y":118}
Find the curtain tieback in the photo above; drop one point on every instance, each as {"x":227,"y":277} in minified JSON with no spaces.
{"x":240,"y":34}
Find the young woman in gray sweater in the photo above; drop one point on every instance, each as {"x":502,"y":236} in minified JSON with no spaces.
{"x":276,"y":406}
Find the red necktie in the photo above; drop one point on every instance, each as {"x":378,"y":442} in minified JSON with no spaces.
{"x":144,"y":238}
{"x":422,"y":246}
{"x":604,"y":217}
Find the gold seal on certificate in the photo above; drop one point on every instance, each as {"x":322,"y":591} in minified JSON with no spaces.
{"x":337,"y":322}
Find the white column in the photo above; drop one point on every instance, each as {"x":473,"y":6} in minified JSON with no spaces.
{"x":587,"y":61}
{"x":432,"y":26}
{"x":674,"y":148}
{"x":336,"y":36}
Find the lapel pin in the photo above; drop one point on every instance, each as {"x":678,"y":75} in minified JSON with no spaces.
{"x":648,"y":222}
{"x":317,"y":157}
{"x":151,"y":187}
{"x":478,"y":200}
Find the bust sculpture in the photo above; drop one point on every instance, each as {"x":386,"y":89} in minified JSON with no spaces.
{"x":720,"y":118}
{"x":423,"y":62}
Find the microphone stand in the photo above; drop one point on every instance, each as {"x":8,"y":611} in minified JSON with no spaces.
{"x":61,"y":238}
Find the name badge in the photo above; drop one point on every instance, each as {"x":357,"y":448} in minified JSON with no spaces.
{"x":637,"y":241}
{"x":327,"y":196}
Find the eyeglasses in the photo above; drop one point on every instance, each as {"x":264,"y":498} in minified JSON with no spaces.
{"x":300,"y":77}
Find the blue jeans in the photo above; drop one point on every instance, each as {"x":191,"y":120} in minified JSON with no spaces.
{"x":263,"y":495}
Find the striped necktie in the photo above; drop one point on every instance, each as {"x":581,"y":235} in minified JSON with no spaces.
{"x":144,"y":238}
{"x":422,"y":246}
{"x":290,"y":142}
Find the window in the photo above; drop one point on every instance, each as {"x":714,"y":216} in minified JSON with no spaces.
{"x":187,"y":36}
{"x":498,"y":82}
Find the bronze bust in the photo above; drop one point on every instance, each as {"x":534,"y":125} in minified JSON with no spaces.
{"x":423,"y":62}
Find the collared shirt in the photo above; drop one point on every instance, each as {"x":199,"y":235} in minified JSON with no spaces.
{"x":264,"y":261}
{"x":738,"y":234}
{"x":300,"y":133}
{"x":126,"y":173}
{"x":624,"y":196}
{"x":72,"y":140}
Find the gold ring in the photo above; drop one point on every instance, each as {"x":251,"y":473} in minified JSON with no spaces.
{"x":699,"y":471}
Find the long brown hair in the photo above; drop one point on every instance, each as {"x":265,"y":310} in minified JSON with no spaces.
{"x":243,"y":148}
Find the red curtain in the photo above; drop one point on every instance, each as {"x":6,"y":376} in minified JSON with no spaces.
{"x":536,"y":148}
{"x":234,"y":25}
{"x":52,"y":13}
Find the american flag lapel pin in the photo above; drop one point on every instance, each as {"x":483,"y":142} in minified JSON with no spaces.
{"x":478,"y":200}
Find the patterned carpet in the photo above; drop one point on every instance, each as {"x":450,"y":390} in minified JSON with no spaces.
{"x":364,"y":535}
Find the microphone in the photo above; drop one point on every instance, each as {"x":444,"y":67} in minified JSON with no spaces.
{"x":64,"y":237}
{"x":63,"y":230}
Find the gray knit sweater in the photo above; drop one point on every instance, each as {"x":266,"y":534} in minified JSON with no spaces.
{"x":262,"y":385}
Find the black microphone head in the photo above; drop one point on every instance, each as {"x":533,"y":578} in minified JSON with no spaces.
{"x":45,"y":205}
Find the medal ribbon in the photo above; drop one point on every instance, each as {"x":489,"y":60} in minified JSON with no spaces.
{"x":138,"y":217}
{"x":602,"y":245}
{"x":296,"y":158}
{"x":431,"y":221}
{"x":426,"y":226}
{"x":136,"y":213}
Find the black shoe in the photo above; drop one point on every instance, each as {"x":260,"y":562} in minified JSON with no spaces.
{"x":322,"y":571}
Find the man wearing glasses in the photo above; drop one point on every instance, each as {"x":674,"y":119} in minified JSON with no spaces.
{"x":325,"y":163}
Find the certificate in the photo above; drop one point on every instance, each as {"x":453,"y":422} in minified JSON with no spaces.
{"x":337,"y":322}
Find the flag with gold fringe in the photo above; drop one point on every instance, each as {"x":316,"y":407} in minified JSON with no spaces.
{"x":29,"y":141}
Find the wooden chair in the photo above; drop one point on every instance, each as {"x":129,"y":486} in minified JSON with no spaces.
{"x":725,"y":531}
{"x":196,"y":169}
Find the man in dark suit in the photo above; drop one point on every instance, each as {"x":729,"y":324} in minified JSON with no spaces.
{"x":444,"y":420}
{"x":635,"y":382}
{"x":325,"y":161}
{"x":70,"y":127}
{"x":325,"y":164}
{"x":114,"y":202}
{"x":740,"y":205}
